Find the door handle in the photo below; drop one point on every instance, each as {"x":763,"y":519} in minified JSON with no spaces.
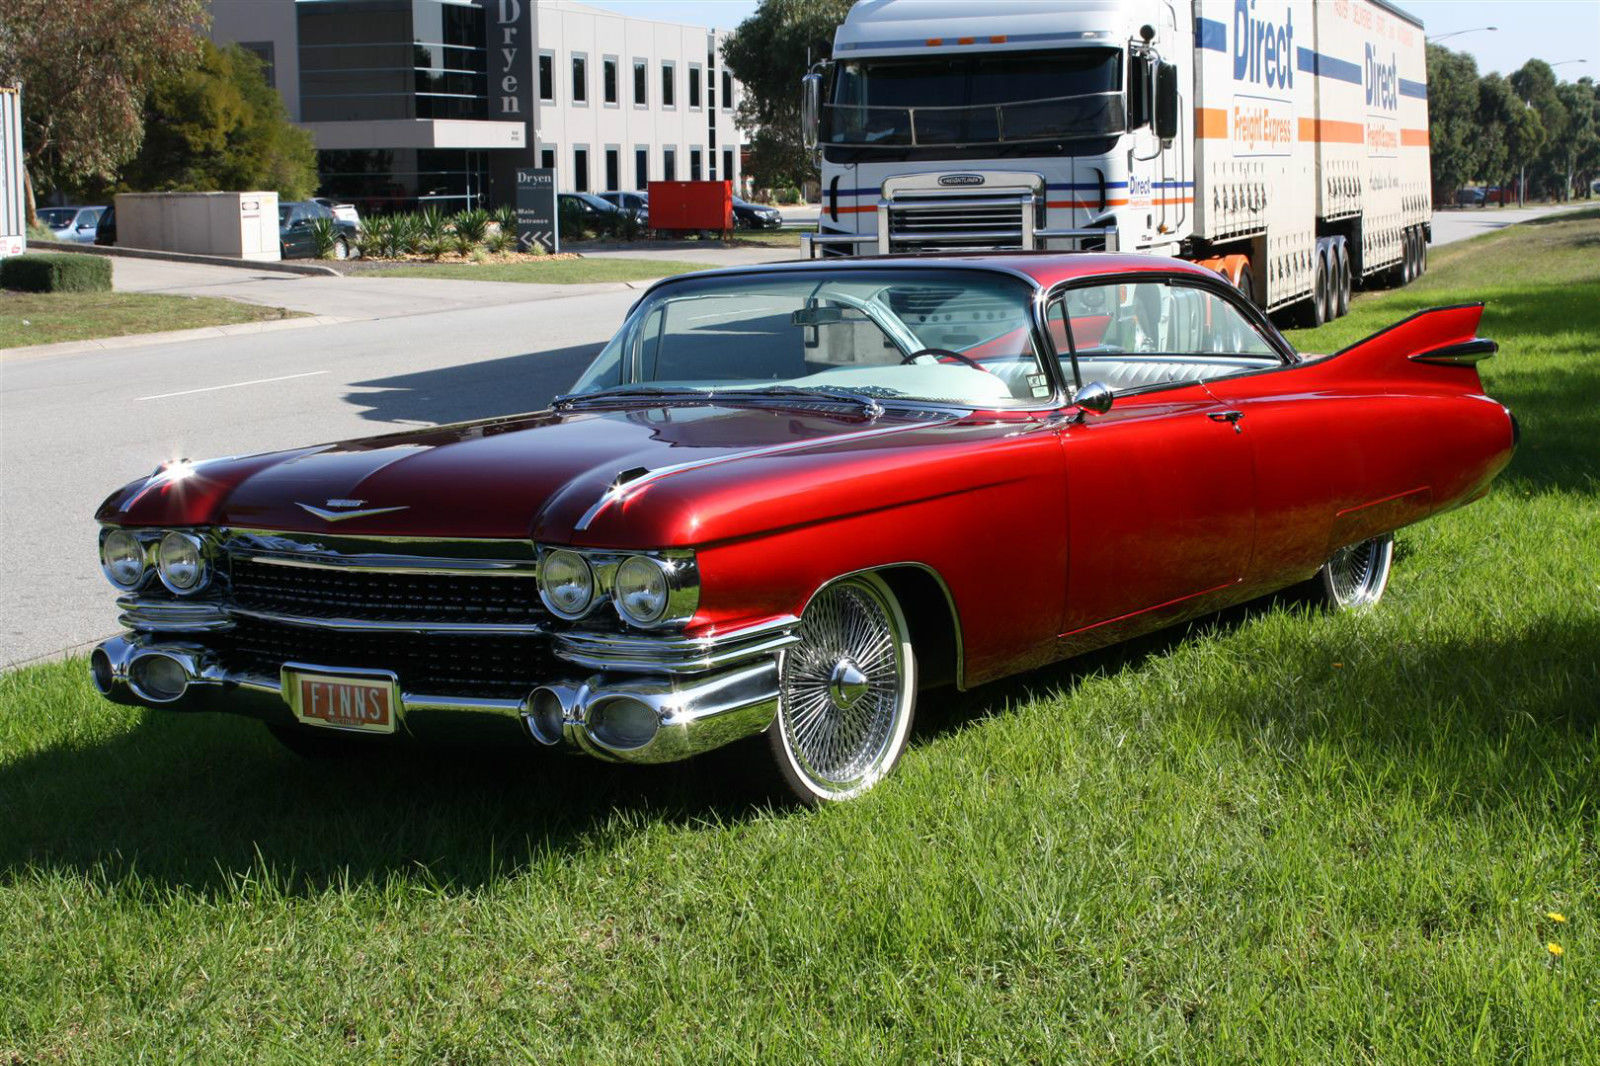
{"x":1231,"y":417}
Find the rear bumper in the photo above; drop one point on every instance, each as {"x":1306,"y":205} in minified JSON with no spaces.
{"x":669,"y":715}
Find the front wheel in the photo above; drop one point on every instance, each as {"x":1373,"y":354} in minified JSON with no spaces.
{"x":847,"y":693}
{"x":1354,"y":577}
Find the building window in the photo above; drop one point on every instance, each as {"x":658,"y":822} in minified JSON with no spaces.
{"x":669,"y":74}
{"x":371,"y":62}
{"x":669,"y":164}
{"x":641,"y":80}
{"x":727,"y":89}
{"x":613,"y":169}
{"x":641,"y":168}
{"x":694,"y":164}
{"x":547,"y":77}
{"x":580,"y":79}
{"x":694,"y":86}
{"x":608,"y":76}
{"x":263,"y":50}
{"x":711,"y":133}
{"x":580,"y":169}
{"x":727,"y":164}
{"x":547,"y":158}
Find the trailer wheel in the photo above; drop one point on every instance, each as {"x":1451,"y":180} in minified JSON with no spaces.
{"x":1342,"y":278}
{"x":1316,"y":311}
{"x":1422,"y":253}
{"x":1408,"y":258}
{"x":1246,"y":283}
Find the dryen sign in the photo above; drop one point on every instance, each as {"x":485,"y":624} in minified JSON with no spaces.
{"x":537,"y":220}
{"x":511,"y":76}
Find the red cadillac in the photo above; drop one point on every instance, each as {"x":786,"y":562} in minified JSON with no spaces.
{"x":784,"y":500}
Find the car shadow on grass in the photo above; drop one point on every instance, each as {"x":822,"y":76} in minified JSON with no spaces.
{"x":490,"y":389}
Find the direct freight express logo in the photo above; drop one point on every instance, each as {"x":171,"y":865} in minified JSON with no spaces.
{"x":1261,"y":127}
{"x":1263,"y":50}
{"x":1382,"y":80}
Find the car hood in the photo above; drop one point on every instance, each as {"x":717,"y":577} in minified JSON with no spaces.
{"x":544,"y":475}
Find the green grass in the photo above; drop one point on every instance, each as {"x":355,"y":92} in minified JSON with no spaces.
{"x":46,"y":318}
{"x":543,"y":272}
{"x":1274,"y":837}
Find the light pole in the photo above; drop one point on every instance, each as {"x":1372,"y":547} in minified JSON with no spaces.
{"x":1457,"y":33}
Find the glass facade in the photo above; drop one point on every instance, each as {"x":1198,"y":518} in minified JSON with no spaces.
{"x":367,"y":60}
{"x":385,"y":180}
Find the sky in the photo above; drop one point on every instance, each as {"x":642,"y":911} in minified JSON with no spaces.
{"x":1553,"y":30}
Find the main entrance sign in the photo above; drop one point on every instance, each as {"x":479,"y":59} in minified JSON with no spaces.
{"x":537,"y":220}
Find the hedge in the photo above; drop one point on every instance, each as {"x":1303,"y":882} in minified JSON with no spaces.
{"x":56,"y":272}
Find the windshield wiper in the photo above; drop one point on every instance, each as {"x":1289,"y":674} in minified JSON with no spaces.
{"x":652,"y":395}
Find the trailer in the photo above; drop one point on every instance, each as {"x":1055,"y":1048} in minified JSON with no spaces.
{"x":13,"y":199}
{"x":1283,"y":143}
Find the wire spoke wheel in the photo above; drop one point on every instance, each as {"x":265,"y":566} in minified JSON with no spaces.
{"x":1356,"y":576}
{"x":847,"y":692}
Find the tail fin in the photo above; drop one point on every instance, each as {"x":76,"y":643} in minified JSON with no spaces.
{"x":1440,"y":337}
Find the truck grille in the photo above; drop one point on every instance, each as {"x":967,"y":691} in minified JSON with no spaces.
{"x":485,"y":667}
{"x":368,"y":596}
{"x":945,"y":224}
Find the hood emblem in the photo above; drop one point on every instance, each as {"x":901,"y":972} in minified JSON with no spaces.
{"x":961,"y":179}
{"x":344,"y":510}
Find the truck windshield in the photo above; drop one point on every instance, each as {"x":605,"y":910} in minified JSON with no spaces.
{"x":968,"y":100}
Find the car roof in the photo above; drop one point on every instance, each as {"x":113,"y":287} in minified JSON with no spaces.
{"x":1045,"y":269}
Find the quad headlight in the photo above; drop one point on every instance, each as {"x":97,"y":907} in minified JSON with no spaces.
{"x":641,"y":589}
{"x":122,"y":558}
{"x":566,"y":584}
{"x":181,"y":563}
{"x":648,"y":590}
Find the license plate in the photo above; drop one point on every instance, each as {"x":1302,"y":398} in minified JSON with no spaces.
{"x":364,"y":704}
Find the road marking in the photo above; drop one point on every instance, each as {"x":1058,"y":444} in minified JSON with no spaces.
{"x":235,"y":385}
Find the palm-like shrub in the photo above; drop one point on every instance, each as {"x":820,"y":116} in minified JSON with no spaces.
{"x":325,"y":237}
{"x":501,"y":240}
{"x":473,"y":226}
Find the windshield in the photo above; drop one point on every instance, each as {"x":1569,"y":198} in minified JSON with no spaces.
{"x":946,"y":336}
{"x":57,"y":217}
{"x":968,"y":100}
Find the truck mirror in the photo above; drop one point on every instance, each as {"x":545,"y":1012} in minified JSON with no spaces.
{"x":1166,"y":101}
{"x":810,"y":107}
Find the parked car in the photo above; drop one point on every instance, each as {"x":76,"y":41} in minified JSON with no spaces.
{"x":636,"y":202}
{"x":1469,"y":197}
{"x":788,"y":502}
{"x":341,"y":211}
{"x":747,"y":215}
{"x":76,"y":224}
{"x":297,"y":230}
{"x":105,"y":232}
{"x":596,"y":207}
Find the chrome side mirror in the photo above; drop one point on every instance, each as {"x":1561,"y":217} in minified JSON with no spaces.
{"x":1094,"y":398}
{"x":810,"y":108}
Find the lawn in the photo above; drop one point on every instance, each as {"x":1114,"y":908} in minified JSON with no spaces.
{"x":1271,"y":837}
{"x":45,"y":318}
{"x":541,"y":271}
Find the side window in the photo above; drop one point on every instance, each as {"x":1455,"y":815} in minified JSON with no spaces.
{"x":1152,"y":334}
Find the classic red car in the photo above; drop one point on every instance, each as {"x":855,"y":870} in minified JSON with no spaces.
{"x":784,"y":500}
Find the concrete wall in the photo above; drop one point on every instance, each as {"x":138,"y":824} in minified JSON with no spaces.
{"x":241,"y":225}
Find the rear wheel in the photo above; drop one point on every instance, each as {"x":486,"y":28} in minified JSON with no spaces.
{"x":1408,"y":258}
{"x":1342,"y":276}
{"x":847,"y":693}
{"x":1422,"y":253}
{"x":1354,"y":577}
{"x":1314,"y":309}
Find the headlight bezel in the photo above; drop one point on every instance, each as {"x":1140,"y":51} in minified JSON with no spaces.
{"x":201,"y":547}
{"x":656,"y":570}
{"x":677,"y":565}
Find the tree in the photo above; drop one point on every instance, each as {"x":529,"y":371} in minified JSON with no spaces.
{"x":84,"y":67}
{"x":1509,"y":129}
{"x":768,"y":53}
{"x":1535,"y":85}
{"x":219,"y":125}
{"x":1453,"y":120}
{"x":1582,"y":135}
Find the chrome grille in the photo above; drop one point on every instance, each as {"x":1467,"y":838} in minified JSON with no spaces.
{"x":327,"y":593}
{"x":941,"y":224}
{"x":487,"y":667}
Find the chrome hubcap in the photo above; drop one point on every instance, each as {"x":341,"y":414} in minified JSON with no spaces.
{"x":843,"y":687}
{"x":1357,"y":574}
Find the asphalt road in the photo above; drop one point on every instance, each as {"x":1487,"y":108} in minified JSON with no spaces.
{"x":409,"y":352}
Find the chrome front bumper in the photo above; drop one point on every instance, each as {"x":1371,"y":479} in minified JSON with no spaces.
{"x":701,"y":694}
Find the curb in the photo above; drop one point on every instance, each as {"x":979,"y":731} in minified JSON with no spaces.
{"x":175,"y":336}
{"x":307,"y":269}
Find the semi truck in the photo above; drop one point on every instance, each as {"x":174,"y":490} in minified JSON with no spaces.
{"x":1284,"y":143}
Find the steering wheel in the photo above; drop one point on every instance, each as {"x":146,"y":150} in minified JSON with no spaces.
{"x":973,"y":363}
